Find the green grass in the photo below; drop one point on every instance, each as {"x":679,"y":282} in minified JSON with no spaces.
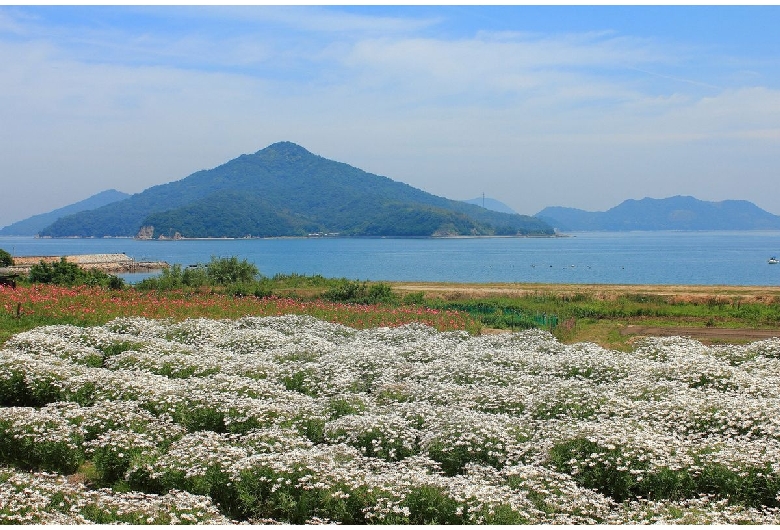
{"x":572,"y":317}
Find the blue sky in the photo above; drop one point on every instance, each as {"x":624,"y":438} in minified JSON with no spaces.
{"x":577,"y":106}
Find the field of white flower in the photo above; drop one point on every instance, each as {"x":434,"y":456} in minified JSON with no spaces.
{"x":296,"y":420}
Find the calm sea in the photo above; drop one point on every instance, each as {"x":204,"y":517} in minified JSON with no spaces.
{"x":691,"y":258}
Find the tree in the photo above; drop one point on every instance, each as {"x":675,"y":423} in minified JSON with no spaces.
{"x":6,"y":260}
{"x":226,"y":271}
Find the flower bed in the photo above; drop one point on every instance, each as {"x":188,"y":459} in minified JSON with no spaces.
{"x":293,"y":419}
{"x":84,"y":305}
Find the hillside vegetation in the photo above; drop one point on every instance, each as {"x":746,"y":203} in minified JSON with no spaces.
{"x":284,"y":190}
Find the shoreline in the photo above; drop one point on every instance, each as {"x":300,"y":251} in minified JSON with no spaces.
{"x":309,"y":236}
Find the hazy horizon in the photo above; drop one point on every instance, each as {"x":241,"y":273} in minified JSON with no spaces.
{"x":535,"y":106}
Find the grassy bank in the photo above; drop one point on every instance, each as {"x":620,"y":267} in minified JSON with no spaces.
{"x":228,"y":288}
{"x":585,"y":316}
{"x":600,"y":313}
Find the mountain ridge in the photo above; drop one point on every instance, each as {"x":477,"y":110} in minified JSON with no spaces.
{"x":33,"y":225}
{"x":490,"y":204}
{"x":672,"y":213}
{"x":295,"y":193}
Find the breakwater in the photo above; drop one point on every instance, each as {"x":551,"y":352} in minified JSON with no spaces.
{"x":111,"y":263}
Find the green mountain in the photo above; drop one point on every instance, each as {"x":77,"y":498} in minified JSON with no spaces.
{"x":673,"y":213}
{"x":33,"y":225}
{"x":284,"y":190}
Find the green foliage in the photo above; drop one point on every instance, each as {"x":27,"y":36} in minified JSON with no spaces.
{"x":299,"y":381}
{"x":227,"y":271}
{"x":454,"y":457}
{"x":228,"y":214}
{"x":240,"y":276}
{"x":752,"y":486}
{"x":200,"y":417}
{"x":27,"y":448}
{"x":70,"y":274}
{"x":416,"y":298}
{"x":264,"y":492}
{"x":6,"y":260}
{"x":175,"y":277}
{"x":20,"y":390}
{"x":356,"y":292}
{"x":525,"y":311}
{"x":300,"y":280}
{"x":343,"y":406}
{"x":574,"y":456}
{"x":609,"y":471}
{"x":431,"y":505}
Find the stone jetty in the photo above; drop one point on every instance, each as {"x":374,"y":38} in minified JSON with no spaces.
{"x":111,"y":263}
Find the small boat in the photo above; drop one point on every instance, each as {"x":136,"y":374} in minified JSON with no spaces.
{"x":773,"y":260}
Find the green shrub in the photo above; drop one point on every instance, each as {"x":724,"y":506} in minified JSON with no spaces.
{"x":416,"y":298}
{"x":355,"y":292}
{"x":599,"y":475}
{"x":227,"y":271}
{"x":175,"y":277}
{"x":6,"y":260}
{"x":70,"y":274}
{"x":751,"y":486}
{"x":430,"y":505}
{"x":45,"y":444}
{"x":239,"y":276}
{"x":604,"y":473}
{"x":18,"y":389}
{"x":264,"y":492}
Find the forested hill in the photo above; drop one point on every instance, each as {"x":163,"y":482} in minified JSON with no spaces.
{"x":284,"y":190}
{"x":673,"y":213}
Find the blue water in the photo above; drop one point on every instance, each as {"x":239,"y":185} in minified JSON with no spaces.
{"x":688,"y":258}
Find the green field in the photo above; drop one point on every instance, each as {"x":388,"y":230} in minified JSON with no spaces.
{"x":575,"y":313}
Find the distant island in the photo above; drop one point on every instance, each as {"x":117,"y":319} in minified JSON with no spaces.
{"x":673,"y":213}
{"x":35,"y":224}
{"x":284,"y":190}
{"x":491,"y":204}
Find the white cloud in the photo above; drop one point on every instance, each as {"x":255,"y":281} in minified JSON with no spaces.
{"x":536,"y":120}
{"x":317,"y":19}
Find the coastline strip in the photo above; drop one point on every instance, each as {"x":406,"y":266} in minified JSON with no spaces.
{"x":110,"y":263}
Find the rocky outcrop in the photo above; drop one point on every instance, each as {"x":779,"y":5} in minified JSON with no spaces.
{"x":146,"y":232}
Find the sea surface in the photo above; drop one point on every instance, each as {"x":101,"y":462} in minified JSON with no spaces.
{"x":686,"y":258}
